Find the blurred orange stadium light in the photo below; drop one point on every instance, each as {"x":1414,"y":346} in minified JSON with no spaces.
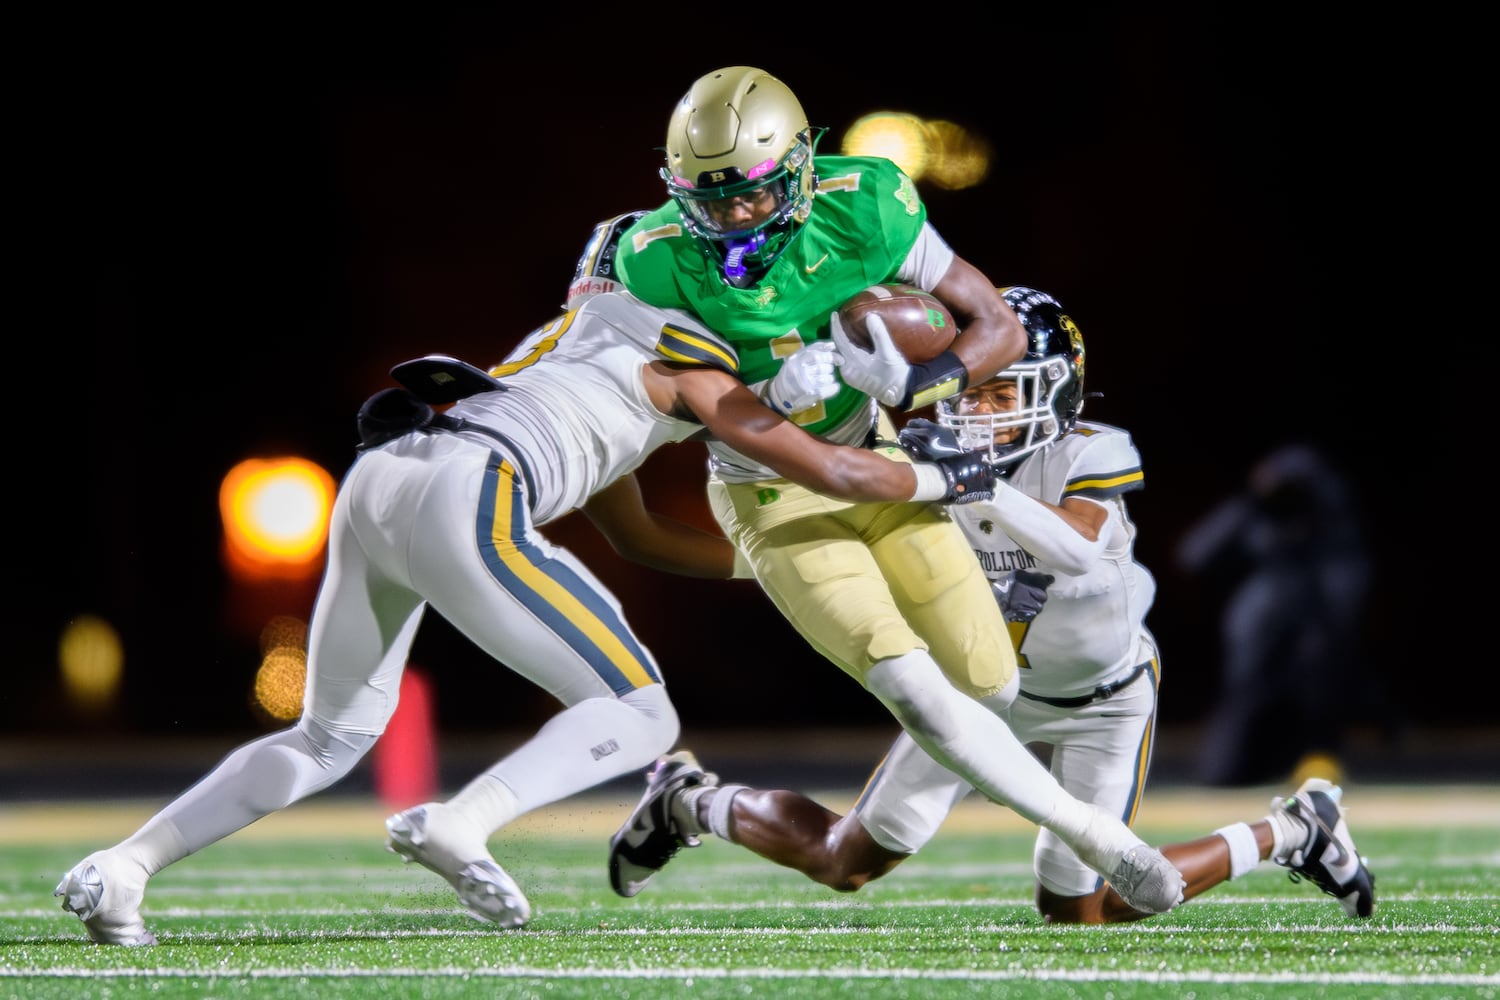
{"x":275,"y":513}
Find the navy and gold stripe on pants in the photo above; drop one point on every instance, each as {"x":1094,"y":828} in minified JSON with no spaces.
{"x":570,"y":605}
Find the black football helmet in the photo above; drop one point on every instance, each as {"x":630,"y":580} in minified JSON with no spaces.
{"x":595,"y":271}
{"x":1049,"y":381}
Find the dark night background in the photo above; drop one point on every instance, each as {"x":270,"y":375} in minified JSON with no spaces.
{"x":240,"y":226}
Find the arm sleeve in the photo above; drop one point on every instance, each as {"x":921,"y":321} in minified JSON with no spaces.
{"x":928,"y":261}
{"x":1052,"y":540}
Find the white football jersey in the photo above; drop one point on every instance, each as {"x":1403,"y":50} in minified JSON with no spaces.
{"x":578,"y":429}
{"x":1092,"y":628}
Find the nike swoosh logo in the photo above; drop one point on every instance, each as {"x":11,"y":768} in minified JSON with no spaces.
{"x":810,"y":268}
{"x":1341,"y":856}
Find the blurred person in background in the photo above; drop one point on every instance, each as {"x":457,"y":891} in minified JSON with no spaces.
{"x":1294,"y":661}
{"x":1058,"y":545}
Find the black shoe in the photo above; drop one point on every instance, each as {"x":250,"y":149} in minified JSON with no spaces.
{"x":651,"y":837}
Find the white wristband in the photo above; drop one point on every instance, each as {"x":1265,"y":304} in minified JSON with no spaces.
{"x":931,"y":483}
{"x":1244,"y":852}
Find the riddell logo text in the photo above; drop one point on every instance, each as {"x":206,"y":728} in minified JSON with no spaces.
{"x":606,"y":749}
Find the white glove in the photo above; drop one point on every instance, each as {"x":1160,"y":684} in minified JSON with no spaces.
{"x":882,"y":373}
{"x":807,"y":377}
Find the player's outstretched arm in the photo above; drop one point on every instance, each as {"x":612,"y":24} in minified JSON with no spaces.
{"x":734,"y":415}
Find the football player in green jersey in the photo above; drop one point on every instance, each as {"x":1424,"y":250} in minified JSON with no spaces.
{"x":764,"y":247}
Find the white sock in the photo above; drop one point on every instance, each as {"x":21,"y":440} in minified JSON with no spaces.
{"x":582,"y":747}
{"x":1288,"y":835}
{"x":719,"y":810}
{"x":685,"y":809}
{"x":487,"y":802}
{"x":1244,"y":852}
{"x":155,"y":845}
{"x":1098,"y":838}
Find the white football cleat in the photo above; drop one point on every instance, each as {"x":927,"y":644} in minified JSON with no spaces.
{"x":425,"y":835}
{"x":105,"y":892}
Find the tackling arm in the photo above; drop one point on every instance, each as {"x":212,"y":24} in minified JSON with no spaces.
{"x":734,"y":415}
{"x":1066,"y":538}
{"x":651,"y":539}
{"x":990,"y":334}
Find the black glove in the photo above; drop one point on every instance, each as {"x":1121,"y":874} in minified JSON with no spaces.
{"x":1022,"y":594}
{"x":927,"y":441}
{"x":969,"y":474}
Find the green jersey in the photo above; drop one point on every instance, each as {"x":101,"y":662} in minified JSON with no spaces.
{"x":865,"y":219}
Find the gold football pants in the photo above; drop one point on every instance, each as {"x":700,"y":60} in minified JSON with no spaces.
{"x":865,"y":581}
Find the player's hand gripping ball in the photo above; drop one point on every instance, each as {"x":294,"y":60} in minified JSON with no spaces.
{"x":919,"y":324}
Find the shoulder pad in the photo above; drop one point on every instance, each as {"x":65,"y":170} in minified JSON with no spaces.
{"x":686,"y":341}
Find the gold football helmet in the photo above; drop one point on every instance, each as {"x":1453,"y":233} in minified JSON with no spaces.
{"x":740,"y":167}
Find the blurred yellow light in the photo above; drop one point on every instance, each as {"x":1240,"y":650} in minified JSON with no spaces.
{"x":92,"y":661}
{"x":283,"y":632}
{"x":938,"y":152}
{"x":960,"y":159}
{"x":275,"y":511}
{"x":893,"y":134}
{"x":279,"y":684}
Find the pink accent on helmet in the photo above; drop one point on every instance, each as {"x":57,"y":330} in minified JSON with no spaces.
{"x":760,"y":168}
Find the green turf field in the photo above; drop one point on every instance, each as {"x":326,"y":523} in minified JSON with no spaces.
{"x":308,"y":904}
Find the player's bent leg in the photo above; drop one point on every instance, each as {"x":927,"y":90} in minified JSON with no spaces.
{"x":581,"y":747}
{"x":106,"y":889}
{"x":1204,"y":863}
{"x":963,"y":736}
{"x":799,"y":833}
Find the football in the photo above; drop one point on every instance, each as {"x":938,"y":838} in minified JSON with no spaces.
{"x":919,"y":324}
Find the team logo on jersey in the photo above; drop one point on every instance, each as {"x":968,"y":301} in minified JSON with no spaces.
{"x":765,"y":297}
{"x":987,"y":526}
{"x":766,"y":497}
{"x":906,"y":194}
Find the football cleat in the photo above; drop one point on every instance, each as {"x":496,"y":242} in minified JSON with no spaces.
{"x":483,"y":887}
{"x":1146,"y":880}
{"x":106,"y":895}
{"x":1327,"y":858}
{"x":1142,"y":875}
{"x":652,"y":836}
